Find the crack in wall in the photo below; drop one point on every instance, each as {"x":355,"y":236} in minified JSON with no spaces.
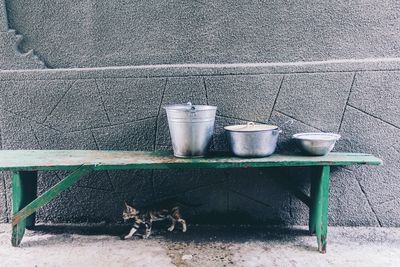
{"x":94,"y":140}
{"x":374,"y":116}
{"x":276,"y":98}
{"x":299,"y":120}
{"x":158,"y":115}
{"x":205,"y":89}
{"x":369,"y":203}
{"x":35,"y":137}
{"x":251,"y":198}
{"x":59,"y":101}
{"x":102,"y":101}
{"x":30,"y":120}
{"x":94,"y":188}
{"x":347,"y":101}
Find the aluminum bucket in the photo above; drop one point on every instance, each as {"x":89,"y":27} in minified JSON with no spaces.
{"x":191,"y":128}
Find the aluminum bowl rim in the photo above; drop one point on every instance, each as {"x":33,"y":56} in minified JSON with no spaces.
{"x":306,"y":136}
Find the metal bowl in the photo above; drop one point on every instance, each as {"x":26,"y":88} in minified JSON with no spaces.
{"x":316,"y":144}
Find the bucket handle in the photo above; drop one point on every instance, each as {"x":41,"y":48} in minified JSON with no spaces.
{"x":192,"y":109}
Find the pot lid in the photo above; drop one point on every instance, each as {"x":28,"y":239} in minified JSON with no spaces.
{"x":250,"y":127}
{"x":189,"y":107}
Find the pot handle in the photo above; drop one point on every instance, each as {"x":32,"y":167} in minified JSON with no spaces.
{"x":276,"y":131}
{"x":288,"y":122}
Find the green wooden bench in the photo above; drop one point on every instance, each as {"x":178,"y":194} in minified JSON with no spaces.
{"x":24,"y":165}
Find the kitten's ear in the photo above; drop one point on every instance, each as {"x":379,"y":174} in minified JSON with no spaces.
{"x":126,"y":204}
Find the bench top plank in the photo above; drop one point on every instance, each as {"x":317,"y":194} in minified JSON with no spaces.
{"x":19,"y":160}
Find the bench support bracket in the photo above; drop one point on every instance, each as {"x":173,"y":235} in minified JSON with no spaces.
{"x":25,"y":203}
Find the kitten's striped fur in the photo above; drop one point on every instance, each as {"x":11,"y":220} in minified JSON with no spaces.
{"x":145,"y":217}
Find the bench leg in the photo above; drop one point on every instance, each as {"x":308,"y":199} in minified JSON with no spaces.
{"x":319,"y":207}
{"x":22,"y":212}
{"x":30,"y":194}
{"x":24,"y":190}
{"x":313,"y":204}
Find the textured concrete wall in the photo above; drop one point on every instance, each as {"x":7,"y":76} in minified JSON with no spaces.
{"x":91,"y":33}
{"x":121,"y":109}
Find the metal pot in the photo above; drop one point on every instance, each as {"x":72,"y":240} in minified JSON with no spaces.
{"x":191,"y":128}
{"x":252,"y":140}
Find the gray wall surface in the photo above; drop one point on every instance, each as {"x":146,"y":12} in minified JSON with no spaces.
{"x":88,"y":33}
{"x":120,"y":108}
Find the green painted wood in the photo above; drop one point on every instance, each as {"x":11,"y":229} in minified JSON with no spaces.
{"x":315,"y":177}
{"x":18,"y":230}
{"x":29,"y":184}
{"x":325,"y":204}
{"x":49,"y":195}
{"x":24,"y":162}
{"x":320,"y":214}
{"x":111,"y":160}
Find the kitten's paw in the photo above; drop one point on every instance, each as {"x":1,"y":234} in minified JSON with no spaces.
{"x":184,"y":230}
{"x":171,"y":228}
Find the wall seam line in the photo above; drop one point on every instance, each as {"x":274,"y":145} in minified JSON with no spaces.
{"x":299,"y":120}
{"x":205,"y":89}
{"x":276,"y":98}
{"x":248,"y":197}
{"x":59,"y":101}
{"x":158,"y":114}
{"x":102,"y":101}
{"x":347,"y":101}
{"x":369,"y":114}
{"x":369,"y":203}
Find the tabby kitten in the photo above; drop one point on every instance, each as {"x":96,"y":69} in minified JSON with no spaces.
{"x":145,"y":217}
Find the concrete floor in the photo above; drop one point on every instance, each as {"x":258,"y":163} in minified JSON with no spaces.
{"x":100,"y":245}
